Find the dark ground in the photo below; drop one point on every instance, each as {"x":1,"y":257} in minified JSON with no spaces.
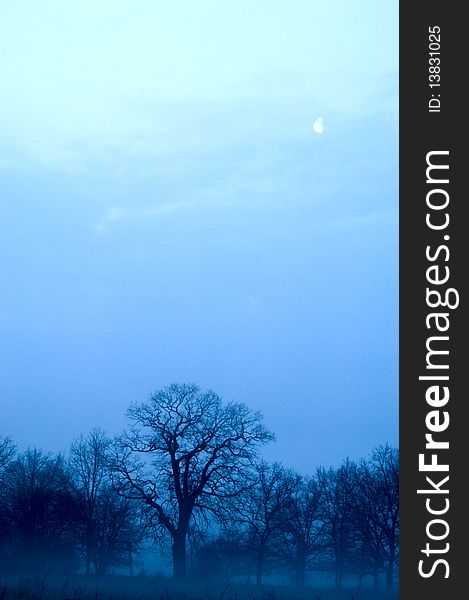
{"x":151,"y":588}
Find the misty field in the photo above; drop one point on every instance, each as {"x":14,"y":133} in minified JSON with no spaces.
{"x":149,"y":588}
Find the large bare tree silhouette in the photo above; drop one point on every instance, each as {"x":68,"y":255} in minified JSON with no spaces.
{"x":184,"y":454}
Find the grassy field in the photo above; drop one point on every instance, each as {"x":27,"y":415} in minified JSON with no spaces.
{"x":148,"y":588}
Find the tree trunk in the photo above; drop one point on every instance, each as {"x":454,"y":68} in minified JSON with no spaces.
{"x":131,"y":562}
{"x":260,"y":567}
{"x":390,"y":573}
{"x":338,"y":572}
{"x":338,"y":578}
{"x":179,"y":555}
{"x":376,"y":577}
{"x":89,"y":545}
{"x":300,"y":570}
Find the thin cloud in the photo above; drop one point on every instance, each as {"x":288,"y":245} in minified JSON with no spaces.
{"x":129,"y":214}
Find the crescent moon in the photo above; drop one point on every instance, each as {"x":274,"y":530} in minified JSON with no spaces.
{"x":318,"y":126}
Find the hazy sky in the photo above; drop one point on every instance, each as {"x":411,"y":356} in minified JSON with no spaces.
{"x":168,"y":214}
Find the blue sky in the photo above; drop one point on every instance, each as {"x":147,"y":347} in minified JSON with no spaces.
{"x":167,"y":213}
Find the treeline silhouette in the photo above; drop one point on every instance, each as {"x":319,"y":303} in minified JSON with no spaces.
{"x":187,"y":477}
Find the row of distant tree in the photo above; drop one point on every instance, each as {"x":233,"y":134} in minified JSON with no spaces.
{"x":187,"y":476}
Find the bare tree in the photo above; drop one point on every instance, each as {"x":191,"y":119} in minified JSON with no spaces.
{"x":302,"y":537}
{"x":377,"y":505}
{"x":262,"y":509}
{"x":88,"y":462}
{"x":7,"y":452}
{"x":41,"y":510}
{"x":117,"y":531}
{"x":184,"y":454}
{"x":337,"y":510}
